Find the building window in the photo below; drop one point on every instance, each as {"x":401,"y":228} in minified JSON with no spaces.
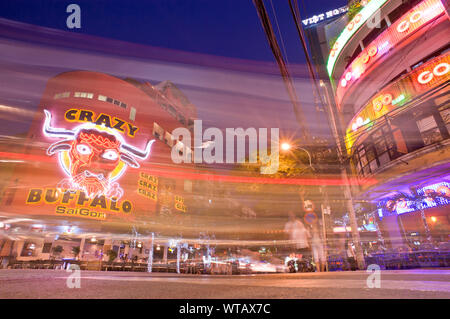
{"x":375,"y":33}
{"x":180,"y":148}
{"x":172,"y":111}
{"x":47,"y":248}
{"x":61,"y":95}
{"x":28,"y":249}
{"x":378,"y":149}
{"x":113,"y":101}
{"x":431,"y":56}
{"x":168,"y":139}
{"x":188,"y":185}
{"x":429,"y":130}
{"x":84,"y":95}
{"x":354,"y":55}
{"x":132,"y":114}
{"x":445,"y":114}
{"x":400,"y":10}
{"x":398,"y":76}
{"x":158,"y":131}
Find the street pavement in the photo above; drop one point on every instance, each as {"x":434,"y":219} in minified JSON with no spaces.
{"x":28,"y":283}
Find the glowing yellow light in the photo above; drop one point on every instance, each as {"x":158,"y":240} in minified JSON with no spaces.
{"x":285,"y":146}
{"x":433,"y":219}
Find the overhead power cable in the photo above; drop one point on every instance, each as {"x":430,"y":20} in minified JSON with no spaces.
{"x":297,"y":18}
{"x":265,"y":21}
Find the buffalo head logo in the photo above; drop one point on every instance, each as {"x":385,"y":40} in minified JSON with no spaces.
{"x":92,"y":157}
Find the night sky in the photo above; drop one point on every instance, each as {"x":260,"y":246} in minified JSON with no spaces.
{"x":229,"y":28}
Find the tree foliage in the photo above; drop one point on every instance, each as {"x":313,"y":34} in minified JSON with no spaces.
{"x":75,"y":251}
{"x":57,"y":250}
{"x":353,"y":8}
{"x":111,"y":255}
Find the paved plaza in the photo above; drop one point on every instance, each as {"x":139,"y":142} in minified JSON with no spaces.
{"x":421,"y":283}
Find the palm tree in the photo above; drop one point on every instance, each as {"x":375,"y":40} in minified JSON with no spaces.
{"x":57,"y":250}
{"x":111,"y":255}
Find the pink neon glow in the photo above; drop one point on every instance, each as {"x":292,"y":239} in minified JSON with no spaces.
{"x":191,"y":173}
{"x":438,"y":71}
{"x":425,"y":77}
{"x":445,"y":68}
{"x":94,"y":158}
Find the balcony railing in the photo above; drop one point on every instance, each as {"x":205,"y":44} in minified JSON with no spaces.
{"x":394,"y":96}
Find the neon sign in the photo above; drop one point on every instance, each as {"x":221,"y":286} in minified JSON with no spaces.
{"x":435,"y":195}
{"x":428,"y":76}
{"x":439,"y":70}
{"x":403,"y":28}
{"x":83,"y":116}
{"x":359,"y":122}
{"x":179,"y":204}
{"x":350,"y":30}
{"x":404,"y":206}
{"x":93,"y":157}
{"x":148,"y":186}
{"x":320,"y":17}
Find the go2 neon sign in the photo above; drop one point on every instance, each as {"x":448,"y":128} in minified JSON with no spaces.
{"x":438,"y":71}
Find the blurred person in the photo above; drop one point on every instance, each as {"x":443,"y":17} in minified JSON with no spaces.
{"x":317,"y":247}
{"x":298,"y":234}
{"x":351,"y":255}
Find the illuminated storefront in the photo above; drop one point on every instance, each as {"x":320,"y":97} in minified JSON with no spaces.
{"x":434,"y":195}
{"x":419,"y":215}
{"x":387,"y":82}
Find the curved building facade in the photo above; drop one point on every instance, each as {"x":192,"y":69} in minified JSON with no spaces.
{"x":389,"y":71}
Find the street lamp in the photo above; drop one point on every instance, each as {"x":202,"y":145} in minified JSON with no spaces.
{"x":285,"y":146}
{"x":325,"y":208}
